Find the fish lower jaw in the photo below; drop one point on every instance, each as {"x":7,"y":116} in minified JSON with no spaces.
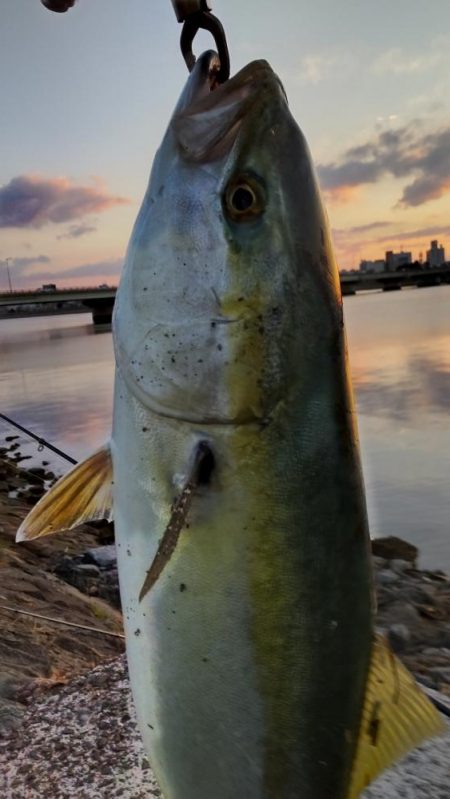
{"x":244,"y":416}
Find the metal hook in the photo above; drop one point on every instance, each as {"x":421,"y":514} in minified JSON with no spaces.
{"x":60,"y":6}
{"x":196,"y":15}
{"x":208,"y":22}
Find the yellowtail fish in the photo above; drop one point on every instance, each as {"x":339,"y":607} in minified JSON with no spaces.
{"x":241,"y":526}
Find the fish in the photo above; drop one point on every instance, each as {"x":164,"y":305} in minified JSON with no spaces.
{"x":234,"y":474}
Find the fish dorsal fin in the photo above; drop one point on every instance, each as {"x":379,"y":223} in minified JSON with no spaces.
{"x":396,"y":717}
{"x":83,"y":494}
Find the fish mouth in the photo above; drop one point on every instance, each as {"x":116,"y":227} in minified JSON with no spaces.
{"x":209,"y":115}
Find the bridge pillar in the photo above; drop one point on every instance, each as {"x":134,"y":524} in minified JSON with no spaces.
{"x":101,"y":310}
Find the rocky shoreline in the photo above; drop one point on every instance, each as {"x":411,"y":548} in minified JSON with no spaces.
{"x":74,"y":577}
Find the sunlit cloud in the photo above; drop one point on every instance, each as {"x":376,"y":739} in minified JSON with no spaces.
{"x":32,"y":201}
{"x":358,"y":229}
{"x":420,"y":233}
{"x":400,"y":153}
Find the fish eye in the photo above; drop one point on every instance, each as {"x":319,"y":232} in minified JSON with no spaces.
{"x":244,"y":199}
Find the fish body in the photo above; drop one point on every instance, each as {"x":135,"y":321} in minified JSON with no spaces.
{"x":256,"y":638}
{"x":250,"y":644}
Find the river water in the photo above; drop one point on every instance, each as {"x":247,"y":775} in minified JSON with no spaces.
{"x":56,"y":377}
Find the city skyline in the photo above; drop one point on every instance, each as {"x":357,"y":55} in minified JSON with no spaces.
{"x":86,"y":103}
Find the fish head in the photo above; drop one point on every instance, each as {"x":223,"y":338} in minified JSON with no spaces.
{"x":229,"y":259}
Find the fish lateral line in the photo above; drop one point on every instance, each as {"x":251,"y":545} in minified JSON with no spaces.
{"x":200,"y":475}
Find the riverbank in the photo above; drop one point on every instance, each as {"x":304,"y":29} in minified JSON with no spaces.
{"x":55,"y":708}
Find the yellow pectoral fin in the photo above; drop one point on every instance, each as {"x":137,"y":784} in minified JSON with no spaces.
{"x":396,"y":717}
{"x":83,"y":494}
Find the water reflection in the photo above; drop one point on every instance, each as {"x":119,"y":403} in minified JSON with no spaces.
{"x":422,"y":384}
{"x":400,"y":361}
{"x":56,"y":377}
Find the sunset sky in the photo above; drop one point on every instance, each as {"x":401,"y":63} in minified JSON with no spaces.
{"x":86,"y":96}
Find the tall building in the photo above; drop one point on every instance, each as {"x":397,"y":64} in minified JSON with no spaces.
{"x":394,"y":260}
{"x":436,"y":255}
{"x":372,"y":266}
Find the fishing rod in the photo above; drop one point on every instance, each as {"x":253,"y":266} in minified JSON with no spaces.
{"x":41,"y":441}
{"x":194,"y":15}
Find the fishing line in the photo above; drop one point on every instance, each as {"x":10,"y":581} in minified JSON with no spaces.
{"x":41,"y":441}
{"x":62,"y":621}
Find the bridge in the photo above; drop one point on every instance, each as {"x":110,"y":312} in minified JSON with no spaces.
{"x":352,"y":282}
{"x":100,"y":301}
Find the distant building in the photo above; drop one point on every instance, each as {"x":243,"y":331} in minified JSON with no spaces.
{"x":372,"y":266}
{"x":395,"y":260}
{"x":48,"y":287}
{"x":436,"y":255}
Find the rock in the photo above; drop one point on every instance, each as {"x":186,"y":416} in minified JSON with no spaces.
{"x":398,"y":565}
{"x":36,"y":470}
{"x":401,"y":612}
{"x":11,"y":715}
{"x":386,"y":577}
{"x":441,"y":673}
{"x":399,"y":637}
{"x":393,"y":548}
{"x":87,"y":569}
{"x":104,"y":557}
{"x":11,"y":686}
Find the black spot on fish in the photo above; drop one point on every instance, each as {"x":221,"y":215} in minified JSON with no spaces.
{"x":183,"y":587}
{"x":137,"y":632}
{"x":129,"y":553}
{"x":144,"y":429}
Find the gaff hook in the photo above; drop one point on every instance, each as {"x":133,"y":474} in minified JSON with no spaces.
{"x":196,"y":15}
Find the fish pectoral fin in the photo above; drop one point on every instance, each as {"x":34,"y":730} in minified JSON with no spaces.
{"x":83,"y":494}
{"x":396,"y":717}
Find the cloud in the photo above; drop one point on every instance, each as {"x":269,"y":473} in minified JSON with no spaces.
{"x":24,"y":263}
{"x":28,"y":275}
{"x":111,"y":268}
{"x":419,"y":233}
{"x":359,"y":229}
{"x":402,"y":153}
{"x":75,"y":231}
{"x":399,"y":62}
{"x":32,"y":201}
{"x":314,"y":68}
